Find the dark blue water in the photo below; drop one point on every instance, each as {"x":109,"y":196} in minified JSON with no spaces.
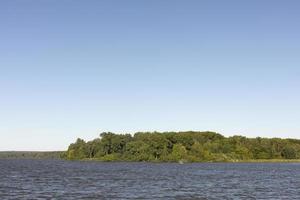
{"x":55,"y":179}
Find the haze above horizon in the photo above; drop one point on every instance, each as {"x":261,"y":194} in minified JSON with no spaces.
{"x":73,"y":69}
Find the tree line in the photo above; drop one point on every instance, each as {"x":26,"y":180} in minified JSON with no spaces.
{"x":31,"y":154}
{"x":188,"y":146}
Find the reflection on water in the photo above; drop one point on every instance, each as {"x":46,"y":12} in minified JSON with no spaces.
{"x":55,"y":179}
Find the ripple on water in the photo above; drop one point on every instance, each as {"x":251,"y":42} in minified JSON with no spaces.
{"x":56,"y":179}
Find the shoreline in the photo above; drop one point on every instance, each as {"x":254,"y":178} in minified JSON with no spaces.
{"x":158,"y":162}
{"x":188,"y":162}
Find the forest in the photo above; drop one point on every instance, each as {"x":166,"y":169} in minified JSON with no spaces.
{"x":187,"y":146}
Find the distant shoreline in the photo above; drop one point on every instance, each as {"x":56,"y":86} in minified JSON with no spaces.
{"x":31,"y":154}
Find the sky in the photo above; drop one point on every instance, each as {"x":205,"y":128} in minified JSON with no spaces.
{"x":72,"y":69}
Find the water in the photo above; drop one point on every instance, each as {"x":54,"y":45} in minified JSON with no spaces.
{"x":56,"y":179}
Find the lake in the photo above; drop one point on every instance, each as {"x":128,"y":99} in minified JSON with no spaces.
{"x":58,"y":179}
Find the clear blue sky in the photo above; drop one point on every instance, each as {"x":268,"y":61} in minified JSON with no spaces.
{"x":73,"y":69}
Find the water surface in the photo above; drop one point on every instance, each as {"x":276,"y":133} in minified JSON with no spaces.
{"x":57,"y":179}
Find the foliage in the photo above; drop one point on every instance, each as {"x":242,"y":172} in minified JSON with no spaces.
{"x":175,"y":146}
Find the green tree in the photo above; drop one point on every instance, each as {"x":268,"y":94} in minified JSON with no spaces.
{"x":178,"y":153}
{"x":77,"y":150}
{"x":289,"y":152}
